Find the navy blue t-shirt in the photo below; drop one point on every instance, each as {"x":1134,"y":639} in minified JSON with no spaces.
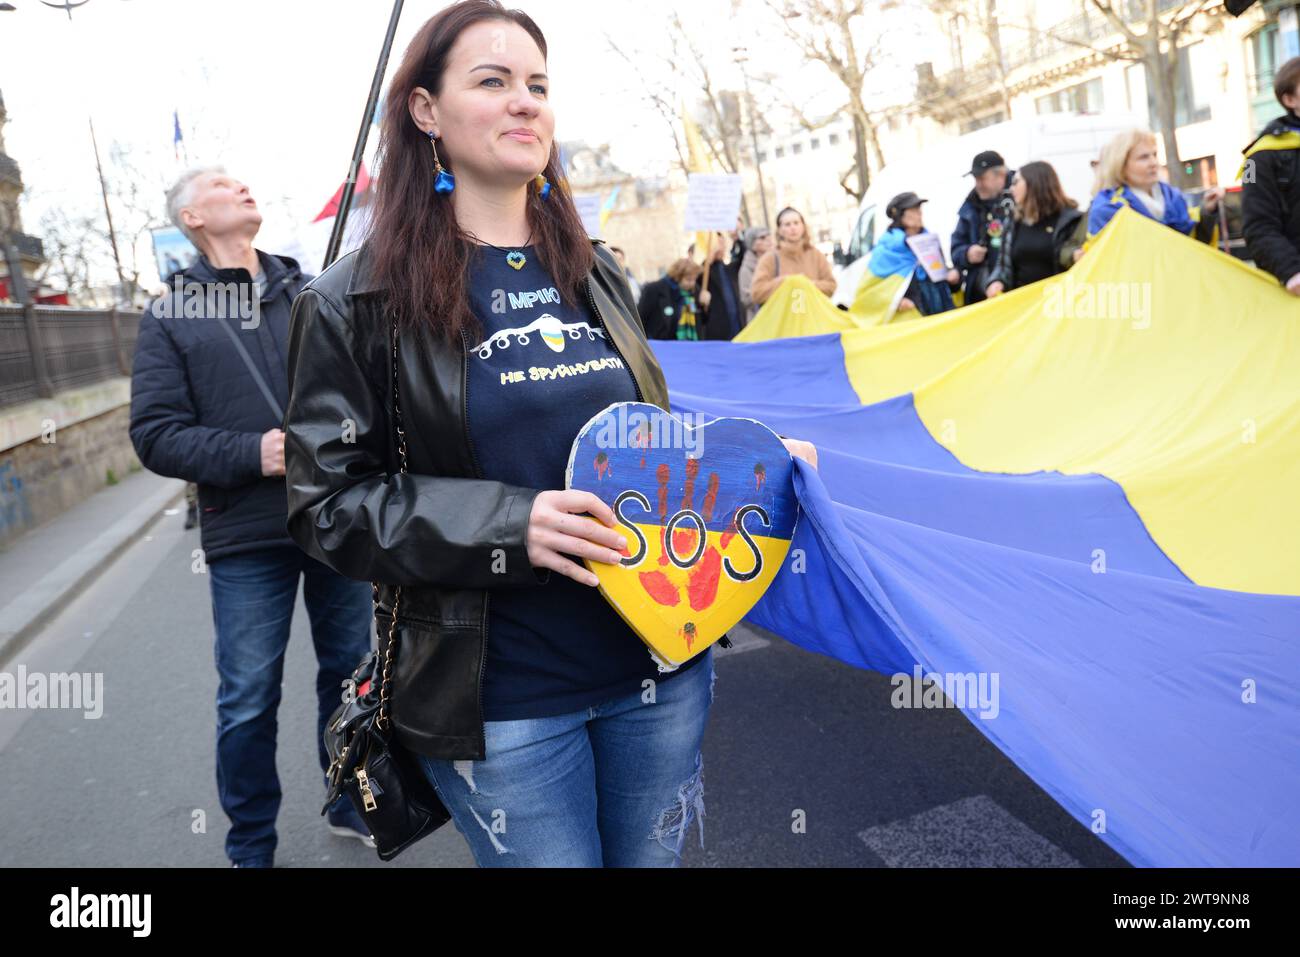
{"x":541,"y":369}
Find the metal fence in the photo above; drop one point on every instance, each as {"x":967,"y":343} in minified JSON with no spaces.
{"x":44,"y":349}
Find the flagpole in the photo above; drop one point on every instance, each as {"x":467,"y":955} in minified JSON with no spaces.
{"x":350,"y":184}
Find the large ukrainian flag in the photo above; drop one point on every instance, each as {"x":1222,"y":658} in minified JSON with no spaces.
{"x":1090,"y":486}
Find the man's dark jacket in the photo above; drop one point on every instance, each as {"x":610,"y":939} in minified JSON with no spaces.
{"x":973,"y":221}
{"x":660,"y":308}
{"x":1270,"y":198}
{"x":440,"y":530}
{"x":196,"y":411}
{"x":721,"y":322}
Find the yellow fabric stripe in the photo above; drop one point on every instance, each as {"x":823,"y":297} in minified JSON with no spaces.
{"x":1159,"y":362}
{"x":892,"y":360}
{"x":797,"y":308}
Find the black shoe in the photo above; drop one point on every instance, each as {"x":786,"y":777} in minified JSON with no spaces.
{"x":344,"y":821}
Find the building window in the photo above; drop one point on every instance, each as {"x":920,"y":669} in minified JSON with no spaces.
{"x":780,"y":152}
{"x":796,"y":149}
{"x":762,"y":156}
{"x":833,"y":139}
{"x":814,"y":143}
{"x":1191,"y":104}
{"x":1134,"y":87}
{"x":1196,"y":65}
{"x":1080,"y":98}
{"x":1265,"y":55}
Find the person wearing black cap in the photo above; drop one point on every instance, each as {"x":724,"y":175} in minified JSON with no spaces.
{"x":892,"y":256}
{"x":982,"y":222}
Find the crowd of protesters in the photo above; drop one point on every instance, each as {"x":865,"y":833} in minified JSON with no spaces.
{"x":252,"y":414}
{"x":1015,"y":227}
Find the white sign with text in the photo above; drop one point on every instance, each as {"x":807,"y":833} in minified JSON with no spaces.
{"x":712,"y":202}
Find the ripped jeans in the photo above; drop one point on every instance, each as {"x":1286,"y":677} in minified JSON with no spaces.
{"x":615,"y":785}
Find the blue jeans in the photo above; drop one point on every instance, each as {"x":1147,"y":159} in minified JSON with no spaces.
{"x":253,"y":595}
{"x":615,"y":785}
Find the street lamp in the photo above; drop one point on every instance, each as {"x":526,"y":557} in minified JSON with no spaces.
{"x":742,"y":57}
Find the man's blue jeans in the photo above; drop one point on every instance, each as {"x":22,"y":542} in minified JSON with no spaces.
{"x":253,"y":595}
{"x":616,"y":785}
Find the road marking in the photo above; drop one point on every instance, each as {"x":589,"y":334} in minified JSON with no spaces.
{"x":972,"y":832}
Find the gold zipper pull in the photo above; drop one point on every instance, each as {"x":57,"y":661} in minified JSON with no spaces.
{"x":367,"y":796}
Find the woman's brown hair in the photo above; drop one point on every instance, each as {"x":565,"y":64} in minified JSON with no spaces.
{"x":684,"y":267}
{"x":1044,"y":197}
{"x":418,"y":250}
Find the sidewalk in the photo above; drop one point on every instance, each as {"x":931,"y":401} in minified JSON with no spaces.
{"x":40,"y":571}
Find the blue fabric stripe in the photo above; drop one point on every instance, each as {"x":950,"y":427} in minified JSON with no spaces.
{"x":1120,"y":691}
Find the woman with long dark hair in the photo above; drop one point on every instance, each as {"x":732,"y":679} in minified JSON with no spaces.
{"x":427,"y":438}
{"x":1047,"y":230}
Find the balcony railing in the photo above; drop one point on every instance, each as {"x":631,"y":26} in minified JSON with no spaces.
{"x":1087,"y":28}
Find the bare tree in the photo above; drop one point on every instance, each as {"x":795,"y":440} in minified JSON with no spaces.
{"x":1157,"y":47}
{"x":983,"y":16}
{"x":138,"y":198}
{"x":1151,"y":33}
{"x":720,"y":129}
{"x":667,"y":111}
{"x":75,"y":252}
{"x":823,"y":31}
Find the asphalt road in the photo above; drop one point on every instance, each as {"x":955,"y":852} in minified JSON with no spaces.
{"x":806,"y":764}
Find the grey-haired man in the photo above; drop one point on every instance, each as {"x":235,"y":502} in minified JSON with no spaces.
{"x":208,"y":391}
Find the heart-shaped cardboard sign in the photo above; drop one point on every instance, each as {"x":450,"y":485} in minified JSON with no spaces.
{"x":707,"y":509}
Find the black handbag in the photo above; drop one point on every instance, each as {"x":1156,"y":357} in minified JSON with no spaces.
{"x":382,"y":779}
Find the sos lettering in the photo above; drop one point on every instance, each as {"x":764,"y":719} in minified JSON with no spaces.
{"x":690,"y":515}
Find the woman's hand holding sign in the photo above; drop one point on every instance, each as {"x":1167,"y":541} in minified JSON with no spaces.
{"x":558,"y":527}
{"x":801,"y":450}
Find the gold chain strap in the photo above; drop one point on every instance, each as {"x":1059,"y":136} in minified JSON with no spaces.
{"x":382,"y":720}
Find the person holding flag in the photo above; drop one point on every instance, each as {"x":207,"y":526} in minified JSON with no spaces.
{"x":894,"y":257}
{"x":1270,"y":193}
{"x":795,"y":255}
{"x":1128,"y":174}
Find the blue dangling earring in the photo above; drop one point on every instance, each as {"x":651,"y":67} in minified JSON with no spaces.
{"x":443,"y":181}
{"x":543,"y":186}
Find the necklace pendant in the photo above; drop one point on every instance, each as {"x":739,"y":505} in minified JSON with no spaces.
{"x":516,"y":260}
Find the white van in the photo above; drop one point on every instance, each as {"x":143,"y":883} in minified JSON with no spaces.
{"x":1070,"y":142}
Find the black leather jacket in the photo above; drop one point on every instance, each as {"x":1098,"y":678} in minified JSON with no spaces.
{"x":444,"y":533}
